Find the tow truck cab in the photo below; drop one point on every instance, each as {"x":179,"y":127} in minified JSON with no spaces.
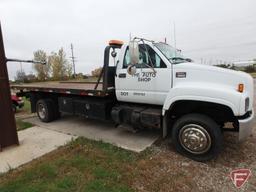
{"x":189,"y":95}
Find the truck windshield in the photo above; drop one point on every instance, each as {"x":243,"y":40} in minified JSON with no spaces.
{"x":171,"y":53}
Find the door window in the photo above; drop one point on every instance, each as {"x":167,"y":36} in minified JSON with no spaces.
{"x":148,"y":57}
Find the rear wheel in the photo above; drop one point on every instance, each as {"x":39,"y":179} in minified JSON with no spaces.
{"x":197,"y":137}
{"x":45,"y":110}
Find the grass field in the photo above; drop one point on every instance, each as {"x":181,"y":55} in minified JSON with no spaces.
{"x":26,"y":107}
{"x":83,"y":165}
{"x":21,"y":124}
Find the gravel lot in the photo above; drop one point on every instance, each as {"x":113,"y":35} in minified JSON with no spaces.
{"x":168,"y":171}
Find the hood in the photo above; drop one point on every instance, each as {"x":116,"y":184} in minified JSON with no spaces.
{"x":227,"y":78}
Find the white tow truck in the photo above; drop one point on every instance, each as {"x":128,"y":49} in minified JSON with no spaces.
{"x":152,"y":86}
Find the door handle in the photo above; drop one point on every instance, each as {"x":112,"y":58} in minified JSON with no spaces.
{"x":122,"y":75}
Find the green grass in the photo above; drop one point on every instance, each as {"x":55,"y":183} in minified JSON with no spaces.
{"x":21,"y":124}
{"x":26,"y":108}
{"x":82,"y":165}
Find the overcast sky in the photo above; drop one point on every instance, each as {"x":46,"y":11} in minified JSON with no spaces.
{"x":212,"y":30}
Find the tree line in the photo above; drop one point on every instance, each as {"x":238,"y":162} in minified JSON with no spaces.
{"x":57,"y":68}
{"x":248,"y":68}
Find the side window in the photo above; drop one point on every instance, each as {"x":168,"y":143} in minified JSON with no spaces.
{"x":147,"y":55}
{"x":127,"y":59}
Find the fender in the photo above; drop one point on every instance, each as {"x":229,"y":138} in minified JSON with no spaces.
{"x":214,"y":93}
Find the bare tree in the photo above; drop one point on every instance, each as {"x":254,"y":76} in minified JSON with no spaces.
{"x":41,"y":70}
{"x":60,"y":66}
{"x":20,"y":76}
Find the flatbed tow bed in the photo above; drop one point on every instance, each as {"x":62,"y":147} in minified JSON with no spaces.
{"x":74,"y":88}
{"x":94,"y":100}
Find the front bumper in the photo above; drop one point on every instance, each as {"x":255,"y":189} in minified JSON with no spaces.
{"x":245,"y":127}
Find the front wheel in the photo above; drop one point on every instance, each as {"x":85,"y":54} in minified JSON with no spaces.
{"x":197,"y":136}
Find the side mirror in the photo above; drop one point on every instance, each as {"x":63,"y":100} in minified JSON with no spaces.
{"x":189,"y":60}
{"x":131,"y":69}
{"x":134,"y":52}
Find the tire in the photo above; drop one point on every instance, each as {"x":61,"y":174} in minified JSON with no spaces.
{"x":197,"y":136}
{"x":45,"y":110}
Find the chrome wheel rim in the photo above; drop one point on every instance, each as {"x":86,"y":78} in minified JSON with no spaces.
{"x":41,"y":111}
{"x":195,"y":139}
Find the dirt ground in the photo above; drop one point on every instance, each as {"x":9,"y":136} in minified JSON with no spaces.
{"x":166,"y":170}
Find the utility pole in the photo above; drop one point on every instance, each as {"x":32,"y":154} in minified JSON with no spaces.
{"x":73,"y":59}
{"x":21,"y":69}
{"x":21,"y":72}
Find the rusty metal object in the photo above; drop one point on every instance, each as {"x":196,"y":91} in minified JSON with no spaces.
{"x":8,"y":131}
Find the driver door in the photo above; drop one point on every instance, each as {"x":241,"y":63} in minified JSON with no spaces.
{"x":151,"y":82}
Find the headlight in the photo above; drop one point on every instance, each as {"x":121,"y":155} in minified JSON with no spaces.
{"x":247,"y":102}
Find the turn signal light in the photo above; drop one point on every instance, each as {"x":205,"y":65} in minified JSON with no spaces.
{"x":241,"y":88}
